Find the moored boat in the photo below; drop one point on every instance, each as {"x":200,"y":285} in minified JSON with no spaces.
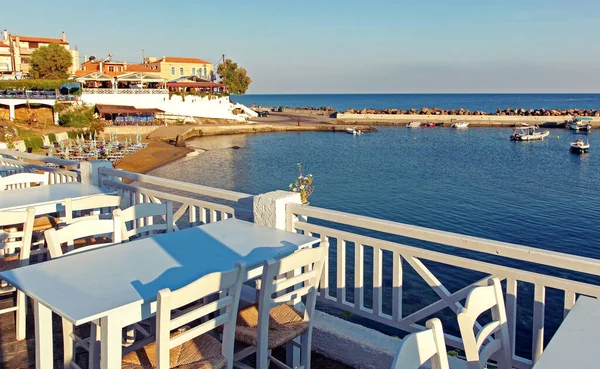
{"x":580,"y":124}
{"x":413,"y":124}
{"x":529,"y":133}
{"x":580,"y":147}
{"x":354,"y":131}
{"x":460,"y":125}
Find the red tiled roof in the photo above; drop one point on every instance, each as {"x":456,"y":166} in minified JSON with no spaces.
{"x":2,"y":44}
{"x":139,"y":68}
{"x":42,"y":40}
{"x":174,"y":59}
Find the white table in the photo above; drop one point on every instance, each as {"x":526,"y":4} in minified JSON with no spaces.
{"x":575,"y":344}
{"x":48,"y":198}
{"x":118,"y":284}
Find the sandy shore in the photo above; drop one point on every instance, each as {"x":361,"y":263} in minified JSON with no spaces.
{"x":155,"y":155}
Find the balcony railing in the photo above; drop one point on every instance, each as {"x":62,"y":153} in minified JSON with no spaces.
{"x":368,"y":275}
{"x":131,"y":91}
{"x":15,"y":159}
{"x":192,"y":204}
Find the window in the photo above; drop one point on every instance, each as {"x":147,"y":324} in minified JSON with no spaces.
{"x":172,"y":71}
{"x":205,"y":71}
{"x":111,"y":68}
{"x":193,"y":71}
{"x":181,"y":71}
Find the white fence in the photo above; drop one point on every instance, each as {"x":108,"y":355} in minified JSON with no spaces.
{"x":344,"y":274}
{"x":14,"y":159}
{"x":128,"y":91}
{"x":190,"y":204}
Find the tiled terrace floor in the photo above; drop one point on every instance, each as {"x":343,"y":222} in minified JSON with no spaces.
{"x":21,"y":355}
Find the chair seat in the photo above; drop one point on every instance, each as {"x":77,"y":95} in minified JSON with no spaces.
{"x":44,"y":222}
{"x":285,"y":324}
{"x":9,"y":262}
{"x":203,"y":352}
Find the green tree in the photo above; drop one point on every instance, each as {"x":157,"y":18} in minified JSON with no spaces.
{"x":235,"y":78}
{"x":50,"y":62}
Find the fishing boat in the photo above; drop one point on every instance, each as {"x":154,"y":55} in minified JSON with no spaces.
{"x":579,"y":147}
{"x":354,"y":131}
{"x":460,"y":125}
{"x":528,"y":134}
{"x":413,"y":124}
{"x":580,"y":124}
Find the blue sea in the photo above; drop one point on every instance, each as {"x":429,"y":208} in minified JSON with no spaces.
{"x":473,"y":181}
{"x":484,"y":102}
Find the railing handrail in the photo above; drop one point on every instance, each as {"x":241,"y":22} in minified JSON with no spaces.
{"x":179,"y":185}
{"x":41,"y":158}
{"x":498,"y":248}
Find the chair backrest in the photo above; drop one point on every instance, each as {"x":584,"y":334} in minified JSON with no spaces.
{"x":16,"y":228}
{"x":138,"y":220}
{"x":90,"y":207}
{"x":481,"y":299}
{"x":418,"y":348}
{"x":226,"y":286}
{"x":83,"y":230}
{"x":23,"y":180}
{"x":289,"y":279}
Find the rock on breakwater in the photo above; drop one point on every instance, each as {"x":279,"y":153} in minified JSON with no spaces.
{"x":499,"y":112}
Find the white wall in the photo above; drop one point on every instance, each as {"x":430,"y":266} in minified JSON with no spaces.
{"x":193,"y":106}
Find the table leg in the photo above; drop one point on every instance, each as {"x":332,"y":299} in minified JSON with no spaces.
{"x":43,"y":336}
{"x":94,"y":357}
{"x":110,"y":350}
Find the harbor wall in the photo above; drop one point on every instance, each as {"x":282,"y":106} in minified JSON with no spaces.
{"x":474,"y":120}
{"x":191,"y":106}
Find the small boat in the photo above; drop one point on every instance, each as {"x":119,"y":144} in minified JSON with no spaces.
{"x":580,"y":124}
{"x":430,"y":124}
{"x":354,"y":131}
{"x":529,"y":133}
{"x":460,"y":125}
{"x":413,"y":124}
{"x":580,"y":147}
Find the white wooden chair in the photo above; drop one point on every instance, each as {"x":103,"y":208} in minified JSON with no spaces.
{"x":281,"y":316}
{"x":194,"y":347}
{"x":138,"y":220}
{"x":86,"y":234}
{"x":93,"y":207}
{"x":479,"y":300}
{"x":23,"y":180}
{"x":16,"y":228}
{"x":418,"y":348}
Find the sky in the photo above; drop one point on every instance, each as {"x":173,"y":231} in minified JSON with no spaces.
{"x":344,"y":46}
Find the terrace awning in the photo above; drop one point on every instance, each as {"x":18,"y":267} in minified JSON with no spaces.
{"x":94,"y":76}
{"x":140,"y":77}
{"x":125,"y":109}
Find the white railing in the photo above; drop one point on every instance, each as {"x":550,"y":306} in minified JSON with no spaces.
{"x":357,"y":254}
{"x":191,"y":206}
{"x":124,"y":90}
{"x":15,"y":159}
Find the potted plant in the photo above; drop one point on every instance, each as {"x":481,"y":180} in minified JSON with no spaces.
{"x":303,"y":185}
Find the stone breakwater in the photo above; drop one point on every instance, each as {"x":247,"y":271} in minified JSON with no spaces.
{"x":506,"y":112}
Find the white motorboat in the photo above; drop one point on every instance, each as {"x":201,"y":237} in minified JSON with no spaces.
{"x":413,"y":124}
{"x":580,"y":124}
{"x":460,"y":125}
{"x":354,"y":131}
{"x":580,"y":147}
{"x":529,"y":133}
